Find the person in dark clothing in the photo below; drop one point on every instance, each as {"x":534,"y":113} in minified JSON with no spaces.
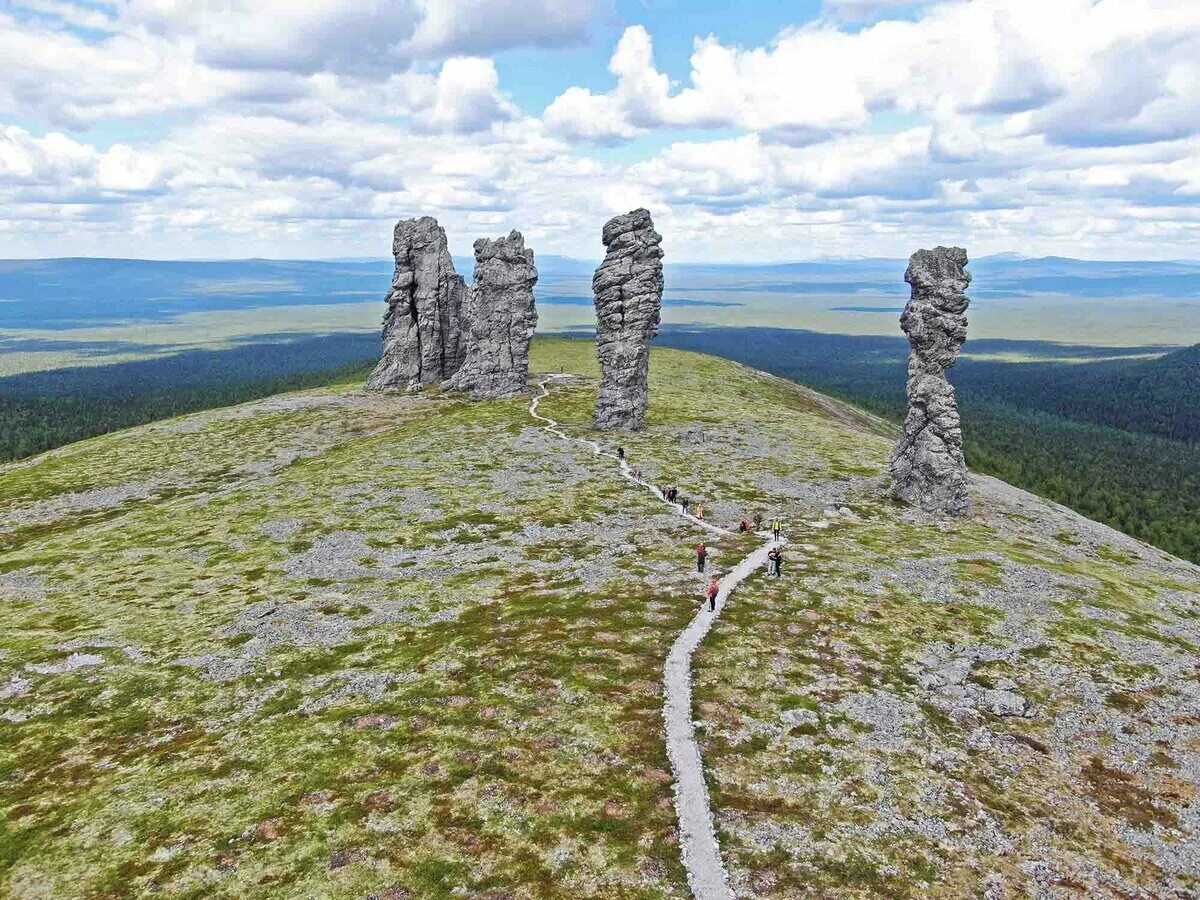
{"x":701,"y":556}
{"x":621,"y":453}
{"x":774,"y":561}
{"x":714,"y":589}
{"x":683,"y":504}
{"x":744,"y":526}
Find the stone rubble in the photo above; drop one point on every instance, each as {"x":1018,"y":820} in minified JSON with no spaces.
{"x":927,"y":465}
{"x":628,"y":289}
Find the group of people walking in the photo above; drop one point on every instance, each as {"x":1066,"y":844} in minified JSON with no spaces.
{"x":686,"y":506}
{"x":713,"y":590}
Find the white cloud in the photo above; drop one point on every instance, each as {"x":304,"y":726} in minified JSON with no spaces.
{"x":1051,"y":126}
{"x":357,"y":36}
{"x":468,"y":97}
{"x":56,"y":169}
{"x":1094,"y":71}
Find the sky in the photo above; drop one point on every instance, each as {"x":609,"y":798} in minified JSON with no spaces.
{"x":754,"y":132}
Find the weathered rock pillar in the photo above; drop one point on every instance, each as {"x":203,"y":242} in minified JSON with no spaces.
{"x":422,"y":339}
{"x":628,"y":290}
{"x":927,"y":464}
{"x":499,"y":321}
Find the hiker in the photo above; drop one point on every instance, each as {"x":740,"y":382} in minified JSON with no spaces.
{"x":744,"y":526}
{"x":776,"y":527}
{"x":699,"y":510}
{"x":713,"y":590}
{"x":701,"y":556}
{"x":683,"y":505}
{"x":774,"y":562}
{"x":621,"y":454}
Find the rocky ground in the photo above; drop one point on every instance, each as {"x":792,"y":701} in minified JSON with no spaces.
{"x":334,"y":644}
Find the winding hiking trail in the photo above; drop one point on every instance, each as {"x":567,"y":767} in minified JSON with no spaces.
{"x":698,"y":838}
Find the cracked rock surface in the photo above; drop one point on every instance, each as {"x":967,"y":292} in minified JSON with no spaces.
{"x":500,"y":320}
{"x":927,"y":465}
{"x":628,"y":289}
{"x":422,"y":329}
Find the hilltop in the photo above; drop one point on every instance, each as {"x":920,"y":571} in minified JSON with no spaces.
{"x":349,"y":645}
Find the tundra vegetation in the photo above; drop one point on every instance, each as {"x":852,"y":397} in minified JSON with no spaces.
{"x":331,"y":643}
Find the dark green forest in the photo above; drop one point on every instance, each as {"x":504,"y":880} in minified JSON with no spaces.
{"x":43,"y":410}
{"x":1116,"y":440}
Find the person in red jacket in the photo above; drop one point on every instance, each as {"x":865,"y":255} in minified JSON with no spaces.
{"x":701,"y":556}
{"x":713,"y":590}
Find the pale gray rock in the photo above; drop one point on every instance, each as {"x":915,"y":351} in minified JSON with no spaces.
{"x":927,"y":465}
{"x":499,"y":321}
{"x":422,"y":329}
{"x":628,"y":289}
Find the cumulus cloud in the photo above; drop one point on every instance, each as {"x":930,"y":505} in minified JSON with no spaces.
{"x":1058,"y":126}
{"x":1093,"y":71}
{"x":468,"y":97}
{"x":358,"y":36}
{"x":57,"y":169}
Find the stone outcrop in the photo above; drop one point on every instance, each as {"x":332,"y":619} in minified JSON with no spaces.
{"x":499,"y":320}
{"x":628,"y":290}
{"x":422,"y":330}
{"x":927,"y":465}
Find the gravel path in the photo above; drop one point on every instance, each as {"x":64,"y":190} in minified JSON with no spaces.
{"x":697,"y":836}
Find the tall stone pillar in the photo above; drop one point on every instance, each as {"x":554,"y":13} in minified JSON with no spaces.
{"x":628,"y":288}
{"x":927,"y":465}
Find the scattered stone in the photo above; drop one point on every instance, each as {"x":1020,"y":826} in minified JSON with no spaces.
{"x":70,"y":664}
{"x":945,"y":673}
{"x":628,"y":289}
{"x":927,"y":465}
{"x":422,"y":330}
{"x":500,"y":320}
{"x":795,"y":717}
{"x":16,"y":686}
{"x":281,"y":529}
{"x":23,"y":584}
{"x":218,"y":668}
{"x":891,"y":718}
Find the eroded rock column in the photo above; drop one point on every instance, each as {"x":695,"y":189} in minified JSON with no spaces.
{"x":927,"y":465}
{"x":422,"y":329}
{"x":499,"y":320}
{"x":628,"y":290}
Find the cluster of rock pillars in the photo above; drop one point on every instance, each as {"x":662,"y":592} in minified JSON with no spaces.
{"x":475,"y":338}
